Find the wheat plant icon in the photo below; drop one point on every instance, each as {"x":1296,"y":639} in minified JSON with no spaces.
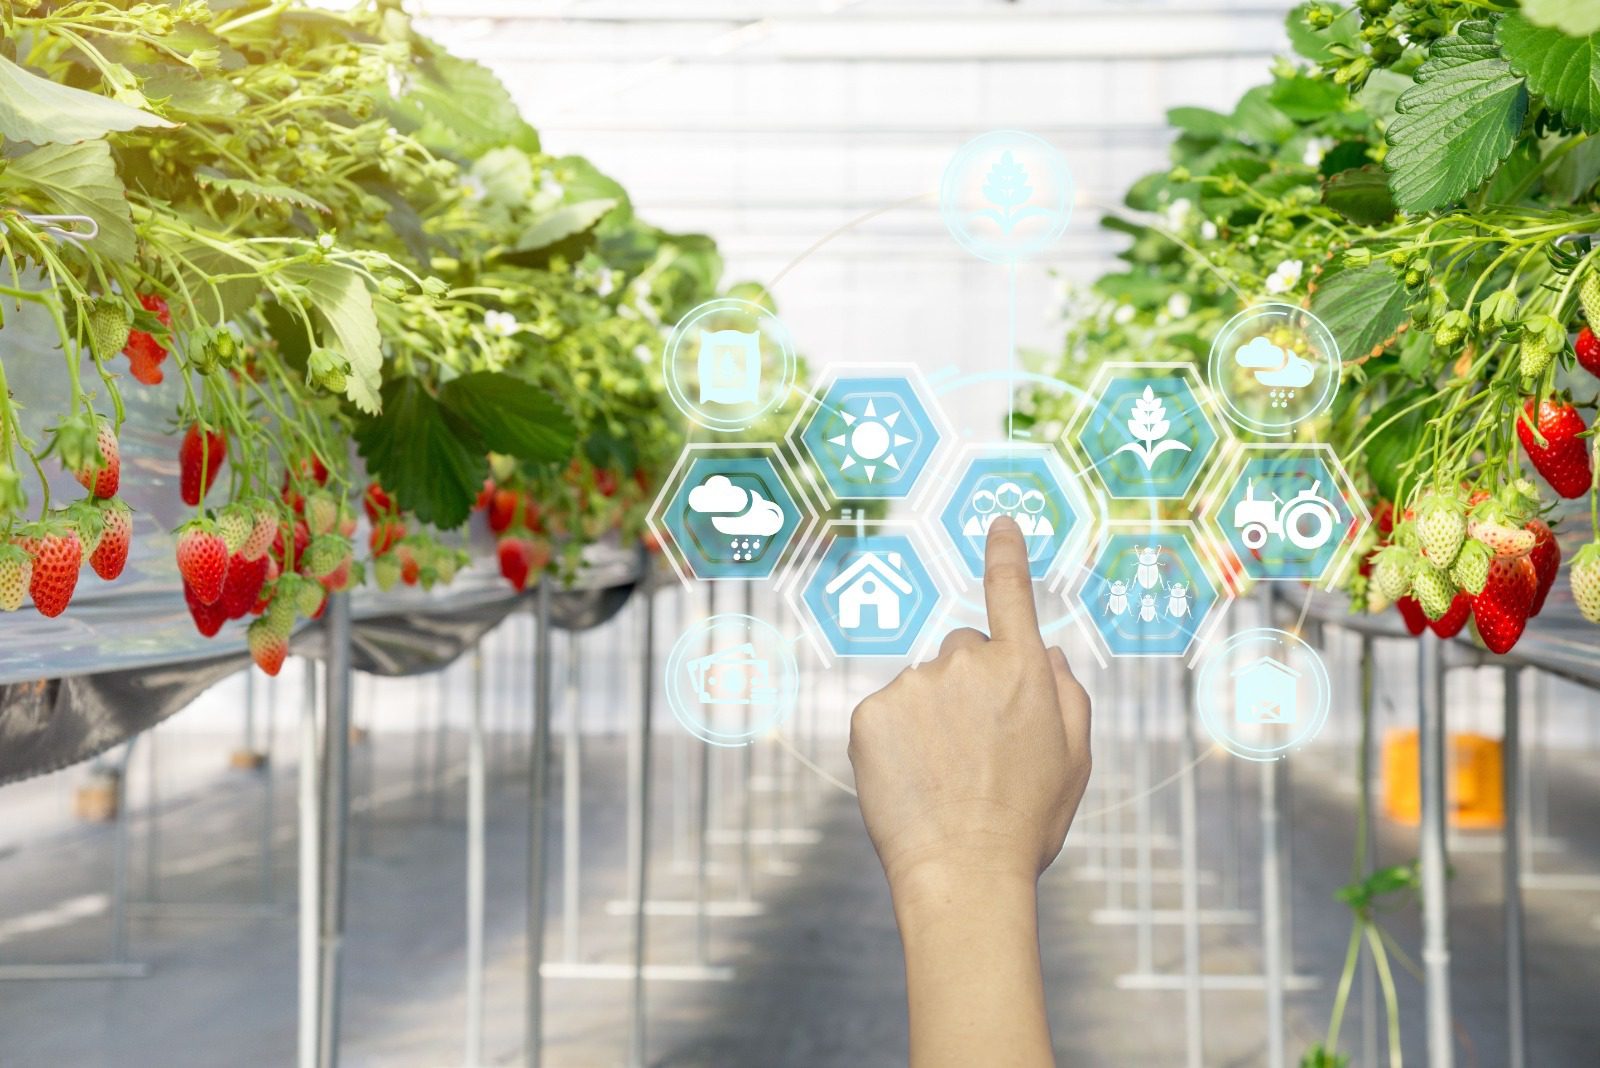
{"x":1006,"y":187}
{"x":1149,"y":427}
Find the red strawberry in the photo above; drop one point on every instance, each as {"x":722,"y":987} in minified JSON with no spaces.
{"x":1450,"y":624}
{"x":242,"y":586}
{"x":268,"y":646}
{"x":268,"y":589}
{"x":605,"y":480}
{"x":503,"y":510}
{"x":410,"y":566}
{"x":1563,"y":459}
{"x":339,"y":578}
{"x":1383,"y":518}
{"x":111,"y":555}
{"x":102,"y":479}
{"x":377,"y":502}
{"x":385,"y":532}
{"x":530,"y":514}
{"x":199,"y":460}
{"x":1501,"y":610}
{"x":145,"y":353}
{"x":208,"y":618}
{"x":1588,"y":349}
{"x":484,"y":494}
{"x":1416,"y":619}
{"x":514,"y":561}
{"x":57,"y":556}
{"x":1546,"y":557}
{"x":203,"y":559}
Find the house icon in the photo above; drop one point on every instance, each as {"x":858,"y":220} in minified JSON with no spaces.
{"x":1265,"y":691}
{"x":873,"y":580}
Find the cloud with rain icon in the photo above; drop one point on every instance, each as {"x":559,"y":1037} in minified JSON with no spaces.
{"x":1283,"y":372}
{"x":743,"y":514}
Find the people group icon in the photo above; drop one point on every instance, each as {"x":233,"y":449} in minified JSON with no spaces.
{"x":1026,"y":507}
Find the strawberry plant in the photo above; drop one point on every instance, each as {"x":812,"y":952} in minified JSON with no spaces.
{"x":345,"y":254}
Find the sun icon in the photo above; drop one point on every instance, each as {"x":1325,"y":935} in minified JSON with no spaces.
{"x":870,"y":440}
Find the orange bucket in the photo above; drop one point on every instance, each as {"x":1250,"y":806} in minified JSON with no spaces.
{"x":1476,"y":796}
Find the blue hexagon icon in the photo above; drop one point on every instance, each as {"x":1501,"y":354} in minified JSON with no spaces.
{"x":871,"y":436}
{"x":1148,"y":593}
{"x":1147,"y":432}
{"x":732,"y":516}
{"x":871,"y":594}
{"x":1289,"y":512}
{"x":1027,"y":483}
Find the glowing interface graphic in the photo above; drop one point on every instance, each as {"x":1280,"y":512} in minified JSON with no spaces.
{"x":1006,"y":195}
{"x":871,"y":436}
{"x":1263,"y":693}
{"x":871,"y":595}
{"x":1273,"y":366}
{"x":1146,"y":434}
{"x":732,"y":517}
{"x":1287,"y":512}
{"x":1027,"y":484}
{"x":727,"y":363}
{"x":731,"y":679}
{"x":1147,"y":592}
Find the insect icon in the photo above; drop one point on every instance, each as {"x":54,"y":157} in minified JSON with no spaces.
{"x":1117,"y":602}
{"x":1178,"y":604}
{"x":1147,"y":608}
{"x":1149,"y":574}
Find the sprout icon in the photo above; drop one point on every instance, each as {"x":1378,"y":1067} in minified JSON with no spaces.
{"x":1149,"y":426}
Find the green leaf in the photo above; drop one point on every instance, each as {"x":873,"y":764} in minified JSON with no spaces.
{"x":1575,"y":173}
{"x":428,"y":457}
{"x":1201,"y":122}
{"x":460,"y":105}
{"x":39,"y":111}
{"x":1315,"y":44}
{"x":1360,"y":195}
{"x":1577,"y":17}
{"x":1306,"y":99}
{"x":512,"y":416}
{"x":1362,"y":306}
{"x":1564,"y":70}
{"x":562,"y":223}
{"x":344,"y":305}
{"x":245,"y":189}
{"x":180,"y":91}
{"x":1393,"y":446}
{"x":1456,"y":122}
{"x":1259,"y":120}
{"x":79,"y":179}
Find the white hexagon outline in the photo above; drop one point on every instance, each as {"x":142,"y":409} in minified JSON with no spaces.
{"x":803,"y":569}
{"x":1054,"y":456}
{"x":1204,"y":550}
{"x":1215,"y":491}
{"x":669,"y":487}
{"x":1204,"y":403}
{"x":811,"y":407}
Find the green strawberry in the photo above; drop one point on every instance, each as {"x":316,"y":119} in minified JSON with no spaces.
{"x":386,"y":570}
{"x":1589,"y":297}
{"x":108,"y":328}
{"x":1585,"y":575}
{"x":1433,"y":590}
{"x":1441,"y":527}
{"x":235,"y":524}
{"x":16,"y":572}
{"x":1471,"y":569}
{"x":325,"y":554}
{"x":1392,"y":570}
{"x":1541,"y":337}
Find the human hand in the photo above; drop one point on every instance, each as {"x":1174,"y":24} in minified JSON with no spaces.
{"x":972,"y":765}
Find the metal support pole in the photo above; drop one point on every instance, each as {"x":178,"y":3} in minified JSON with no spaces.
{"x":119,"y":862}
{"x":1272,"y":913}
{"x":476,"y":819}
{"x":702,"y":843}
{"x":441,"y":739}
{"x":310,"y":873}
{"x":152,"y":819}
{"x":1511,"y":856}
{"x":571,"y":803}
{"x":1113,"y":829}
{"x":641,"y":886}
{"x":336,"y":818}
{"x":1188,"y":813}
{"x":747,"y":773}
{"x":1369,"y":861}
{"x":538,"y":797}
{"x":1435,"y":899}
{"x":269,"y":792}
{"x":1144,"y":900}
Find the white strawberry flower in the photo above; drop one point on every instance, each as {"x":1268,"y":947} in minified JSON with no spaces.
{"x":1285,"y":276}
{"x":1177,"y":213}
{"x":1123,"y":315}
{"x":501,"y":324}
{"x":1208,"y":230}
{"x":1178,"y":305}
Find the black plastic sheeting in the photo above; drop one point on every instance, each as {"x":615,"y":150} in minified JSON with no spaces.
{"x":50,"y":724}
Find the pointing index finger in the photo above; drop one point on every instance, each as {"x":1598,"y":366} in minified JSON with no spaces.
{"x":1008,"y":584}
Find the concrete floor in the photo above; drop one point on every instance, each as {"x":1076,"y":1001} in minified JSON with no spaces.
{"x":818,"y":975}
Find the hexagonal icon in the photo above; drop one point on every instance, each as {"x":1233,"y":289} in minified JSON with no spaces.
{"x":730,"y":514}
{"x":1288,"y":511}
{"x":1146,"y":431}
{"x":1151,"y":589}
{"x":1030,"y":484}
{"x":872,"y":434}
{"x":870,"y":594}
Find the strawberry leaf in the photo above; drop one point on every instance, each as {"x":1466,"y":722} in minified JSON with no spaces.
{"x":1456,"y":122}
{"x":1564,"y":70}
{"x":1577,"y":17}
{"x":345,"y":308}
{"x":512,"y":416}
{"x":1361,"y":195}
{"x":79,"y":180}
{"x":42,"y":112}
{"x":1362,"y":306}
{"x":428,"y":458}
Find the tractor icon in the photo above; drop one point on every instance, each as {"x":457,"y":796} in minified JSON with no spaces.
{"x":1307,"y":520}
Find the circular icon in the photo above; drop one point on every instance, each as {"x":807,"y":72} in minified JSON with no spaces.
{"x":727,"y":363}
{"x":1262,"y":693}
{"x":1006,"y":195}
{"x":1274,"y":366}
{"x":731,"y":678}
